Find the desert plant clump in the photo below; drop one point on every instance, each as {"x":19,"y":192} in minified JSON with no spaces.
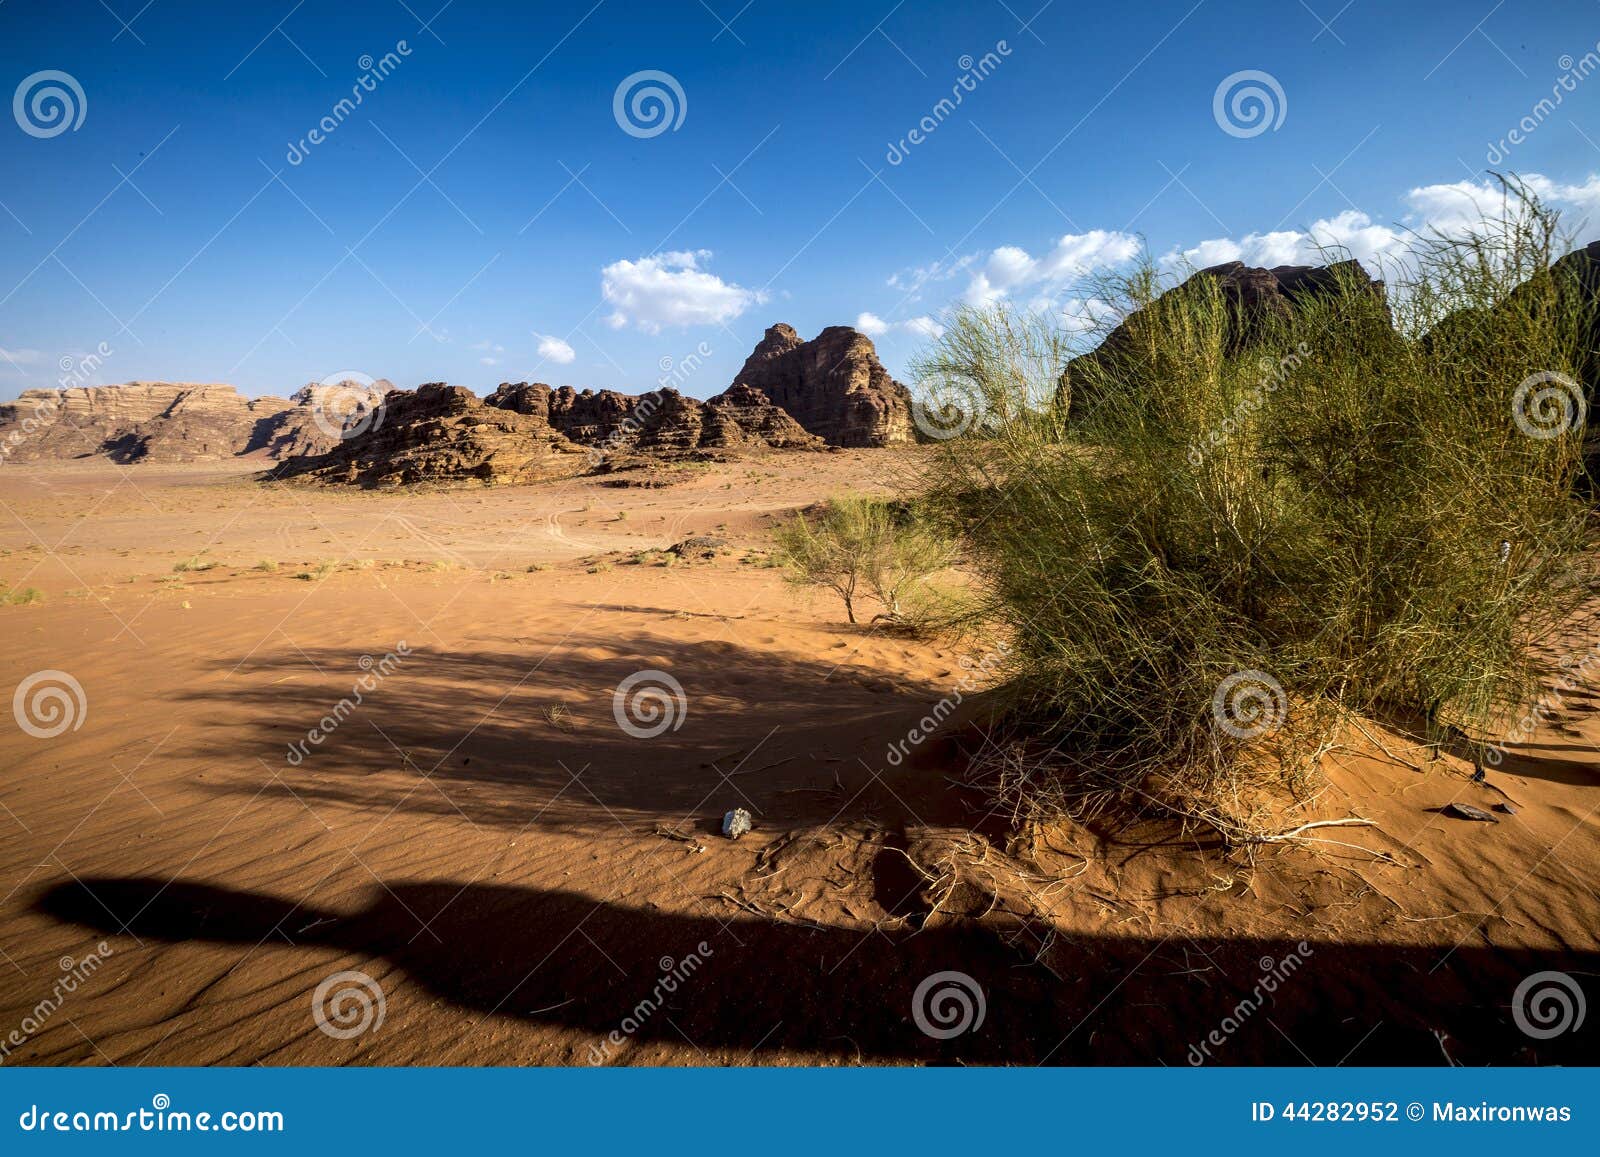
{"x":861,"y":547}
{"x":1210,"y":553}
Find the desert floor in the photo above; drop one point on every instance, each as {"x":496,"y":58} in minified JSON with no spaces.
{"x":483,"y":843}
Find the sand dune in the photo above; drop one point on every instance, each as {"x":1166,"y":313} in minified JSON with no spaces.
{"x":480,"y":839}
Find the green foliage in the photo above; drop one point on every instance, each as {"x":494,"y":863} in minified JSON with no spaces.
{"x":1339,"y":498}
{"x":864,"y":547}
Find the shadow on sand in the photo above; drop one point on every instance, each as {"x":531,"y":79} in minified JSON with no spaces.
{"x":565,"y":960}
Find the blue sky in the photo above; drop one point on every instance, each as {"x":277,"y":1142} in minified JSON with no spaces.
{"x":483,"y":215}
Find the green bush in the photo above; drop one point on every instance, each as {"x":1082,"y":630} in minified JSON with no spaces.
{"x":864,"y":547}
{"x":1215,"y":550}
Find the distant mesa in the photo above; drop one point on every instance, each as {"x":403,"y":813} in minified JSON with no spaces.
{"x":790,"y":395}
{"x":164,"y":422}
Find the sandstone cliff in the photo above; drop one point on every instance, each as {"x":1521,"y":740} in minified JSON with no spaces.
{"x":442,"y":433}
{"x":833,"y":385}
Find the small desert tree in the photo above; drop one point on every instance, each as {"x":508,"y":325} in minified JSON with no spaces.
{"x":863,"y":546}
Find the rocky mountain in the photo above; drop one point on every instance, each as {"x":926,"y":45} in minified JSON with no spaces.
{"x":1252,"y":296}
{"x":439,"y":433}
{"x":790,"y":394}
{"x":175,"y":422}
{"x":833,"y":385}
{"x":663,"y":422}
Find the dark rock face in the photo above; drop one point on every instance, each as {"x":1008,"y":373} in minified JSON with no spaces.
{"x":833,"y":385}
{"x":442,"y":433}
{"x":1253,"y":297}
{"x":663,"y":422}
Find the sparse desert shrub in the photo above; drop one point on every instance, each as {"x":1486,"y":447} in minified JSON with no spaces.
{"x":267,"y":565}
{"x":1216,"y":552}
{"x":558,"y":716}
{"x":194,"y":563}
{"x":21,"y":596}
{"x":859,"y":546}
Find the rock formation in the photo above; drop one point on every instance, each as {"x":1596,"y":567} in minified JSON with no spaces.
{"x":1252,"y":296}
{"x":663,"y":422}
{"x":171,"y":422}
{"x":791,"y":394}
{"x":833,"y":385}
{"x":442,"y":433}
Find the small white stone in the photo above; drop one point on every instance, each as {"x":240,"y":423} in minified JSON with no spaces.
{"x":736,"y":823}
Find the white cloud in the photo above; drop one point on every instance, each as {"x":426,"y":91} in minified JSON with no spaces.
{"x":1453,"y":209}
{"x":488,"y":347}
{"x":488,"y":361}
{"x":20,"y":357}
{"x":923,"y":327}
{"x":672,"y":289}
{"x":553,"y":349}
{"x":1010,"y":269}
